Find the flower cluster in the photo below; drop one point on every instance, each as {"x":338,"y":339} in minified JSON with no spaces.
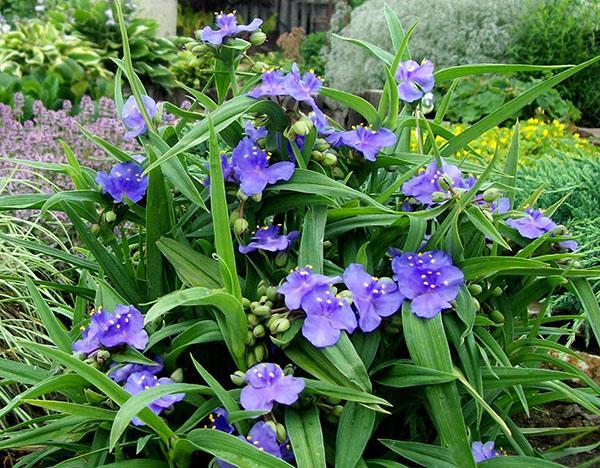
{"x":262,"y":436}
{"x":415,"y":80}
{"x":428,"y":279}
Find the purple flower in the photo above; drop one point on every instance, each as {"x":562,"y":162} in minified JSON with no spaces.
{"x":253,"y":132}
{"x":429,"y":279}
{"x":302,"y":88}
{"x":268,"y":238}
{"x":141,"y":381}
{"x":300,"y":282}
{"x":368,"y":142}
{"x":426,"y":183}
{"x":500,"y":206}
{"x":569,"y":245}
{"x":263,"y":437}
{"x":226,"y":169}
{"x":124,"y":180}
{"x":266,"y":385}
{"x":219,"y":421}
{"x":132,"y":117}
{"x":272,"y":85}
{"x":121,"y":374}
{"x":415,"y":80}
{"x":482,"y":452}
{"x":227,"y":24}
{"x":373,"y":297}
{"x":533,"y":225}
{"x":251,"y":167}
{"x":326,"y":316}
{"x":124,"y":326}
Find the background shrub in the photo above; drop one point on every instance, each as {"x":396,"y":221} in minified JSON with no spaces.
{"x":311,"y":50}
{"x":562,"y":32}
{"x":450,"y":32}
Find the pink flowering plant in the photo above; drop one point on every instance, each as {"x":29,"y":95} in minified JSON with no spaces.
{"x":257,"y":285}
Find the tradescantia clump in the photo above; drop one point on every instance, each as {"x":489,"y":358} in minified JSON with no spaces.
{"x":378,"y":314}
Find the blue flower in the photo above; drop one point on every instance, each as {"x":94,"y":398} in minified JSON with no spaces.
{"x":266,"y":385}
{"x":368,"y":142}
{"x":124,"y":180}
{"x":482,"y":452}
{"x":219,"y":420}
{"x":251,"y":167}
{"x":268,"y":238}
{"x":122,"y":373}
{"x":254,"y":133}
{"x":422,"y":186}
{"x":124,"y":326}
{"x":133,"y":118}
{"x":227,"y":24}
{"x":300,"y":282}
{"x":535,"y":224}
{"x":415,"y":80}
{"x":326,"y":316}
{"x":373,"y":297}
{"x":141,"y":381}
{"x":272,"y":85}
{"x":429,"y":279}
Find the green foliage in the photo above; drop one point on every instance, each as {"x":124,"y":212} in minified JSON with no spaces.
{"x":562,"y":32}
{"x":42,"y":62}
{"x":311,"y":51}
{"x":434,"y":385}
{"x":475,"y":97}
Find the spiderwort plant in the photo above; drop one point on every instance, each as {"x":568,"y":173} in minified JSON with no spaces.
{"x":315,"y":326}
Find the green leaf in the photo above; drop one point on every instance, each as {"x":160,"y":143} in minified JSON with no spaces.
{"x":360,"y":105}
{"x":306,"y":437}
{"x":311,"y":242}
{"x":586,"y":295}
{"x":459,"y":71}
{"x":423,"y":454}
{"x":400,"y":374}
{"x":137,"y":403}
{"x":428,"y":347}
{"x":481,"y":267}
{"x":220,"y":218}
{"x":230,"y":315}
{"x":512,"y":161}
{"x":394,"y":26}
{"x":192,"y":267}
{"x":509,"y":109}
{"x":86,"y":411}
{"x":319,"y":387}
{"x":339,"y":364}
{"x":518,"y":462}
{"x":378,"y":52}
{"x":485,"y":226}
{"x":55,"y":329}
{"x":353,"y":433}
{"x":233,"y":450}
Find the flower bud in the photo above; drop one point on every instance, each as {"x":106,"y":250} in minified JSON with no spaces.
{"x":439,"y":197}
{"x":497,"y":316}
{"x":288,"y":370}
{"x":200,"y":49}
{"x":491,"y":194}
{"x":252,"y":321}
{"x":234,"y":216}
{"x":92,"y":363}
{"x":260,"y":352}
{"x":301,"y":127}
{"x":257,"y":197}
{"x":337,"y":173}
{"x":79,"y":355}
{"x":476,"y":303}
{"x":246,"y":302}
{"x":281,"y":433}
{"x":242,"y":196}
{"x":281,"y":259}
{"x":317,"y":155}
{"x":280,"y":325}
{"x":259,"y":67}
{"x":337,"y":410}
{"x":262,"y":311}
{"x":322,"y":144}
{"x":272,"y":293}
{"x":259,"y":331}
{"x":272,"y":425}
{"x":475,"y":289}
{"x":240,"y":226}
{"x":102,"y":356}
{"x":262,"y":289}
{"x":250,"y":340}
{"x":497,"y":291}
{"x":445,"y":182}
{"x":110,"y":216}
{"x":177,"y":375}
{"x":329,"y":160}
{"x":258,"y":38}
{"x":95,"y":229}
{"x":238,"y":378}
{"x":427,"y":103}
{"x":251,"y":359}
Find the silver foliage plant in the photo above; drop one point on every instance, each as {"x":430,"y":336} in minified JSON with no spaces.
{"x":449,"y":32}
